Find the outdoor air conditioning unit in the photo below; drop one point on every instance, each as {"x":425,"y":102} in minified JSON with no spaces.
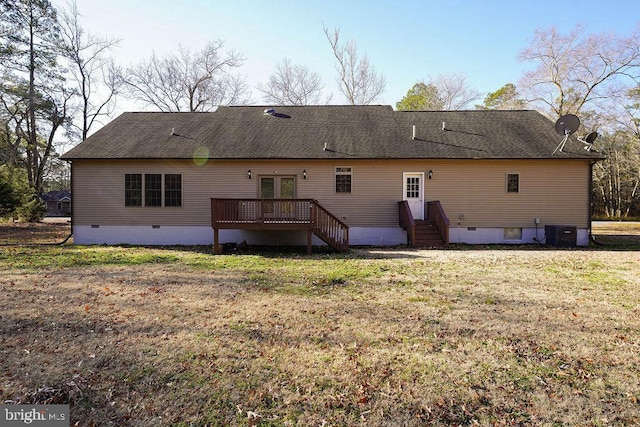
{"x":564,"y":236}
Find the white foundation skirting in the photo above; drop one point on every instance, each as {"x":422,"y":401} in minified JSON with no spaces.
{"x":369,"y":236}
{"x":199,"y":235}
{"x":496,"y":236}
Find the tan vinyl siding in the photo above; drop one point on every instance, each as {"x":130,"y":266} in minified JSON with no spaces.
{"x":557,"y":192}
{"x":554,"y":191}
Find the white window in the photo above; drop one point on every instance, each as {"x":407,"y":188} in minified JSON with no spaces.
{"x":513,"y":183}
{"x":343,"y":179}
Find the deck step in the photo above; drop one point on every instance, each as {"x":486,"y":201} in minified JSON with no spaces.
{"x":428,"y":234}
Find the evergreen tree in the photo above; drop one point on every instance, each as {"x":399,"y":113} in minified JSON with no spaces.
{"x":32,"y":81}
{"x":421,"y":97}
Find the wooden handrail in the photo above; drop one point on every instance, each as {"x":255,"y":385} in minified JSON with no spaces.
{"x":329,"y":228}
{"x":435,"y":213}
{"x":406,"y":221}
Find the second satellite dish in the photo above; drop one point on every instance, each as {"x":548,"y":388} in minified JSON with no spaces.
{"x":588,"y":140}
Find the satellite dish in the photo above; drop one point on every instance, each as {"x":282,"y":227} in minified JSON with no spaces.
{"x":567,"y":124}
{"x":588,"y":140}
{"x":591,"y":137}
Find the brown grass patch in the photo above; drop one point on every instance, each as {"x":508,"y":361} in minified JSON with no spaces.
{"x":12,"y":233}
{"x":379,"y":337}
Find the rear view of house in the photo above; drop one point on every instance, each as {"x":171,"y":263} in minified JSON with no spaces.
{"x":337,"y":175}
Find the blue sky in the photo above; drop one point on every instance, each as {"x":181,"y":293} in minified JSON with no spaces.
{"x":406,"y":41}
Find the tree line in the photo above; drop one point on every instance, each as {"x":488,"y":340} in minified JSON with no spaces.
{"x":59,"y":81}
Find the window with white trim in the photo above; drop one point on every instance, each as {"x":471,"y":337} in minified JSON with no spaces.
{"x":343,"y":179}
{"x":513,"y":183}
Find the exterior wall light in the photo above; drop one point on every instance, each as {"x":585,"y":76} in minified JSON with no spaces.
{"x":430,"y":174}
{"x":249,"y":173}
{"x":304,"y":174}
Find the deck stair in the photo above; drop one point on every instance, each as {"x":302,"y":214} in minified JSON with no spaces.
{"x":428,"y":234}
{"x":434,"y":231}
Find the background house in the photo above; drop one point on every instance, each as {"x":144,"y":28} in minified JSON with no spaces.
{"x":58,"y":203}
{"x":149,"y":178}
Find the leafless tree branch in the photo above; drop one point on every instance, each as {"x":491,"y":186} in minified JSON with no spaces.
{"x":292,"y":84}
{"x":187,"y":81}
{"x":359,"y":81}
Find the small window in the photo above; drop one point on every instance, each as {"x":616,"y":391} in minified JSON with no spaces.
{"x":173,"y":189}
{"x":153,"y":189}
{"x":512,"y":233}
{"x":513,"y":183}
{"x":343,"y":180}
{"x":133,"y":189}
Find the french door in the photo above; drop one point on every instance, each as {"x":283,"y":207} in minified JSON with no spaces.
{"x":277,"y":187}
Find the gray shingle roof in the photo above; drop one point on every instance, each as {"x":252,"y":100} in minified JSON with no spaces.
{"x":365,"y":132}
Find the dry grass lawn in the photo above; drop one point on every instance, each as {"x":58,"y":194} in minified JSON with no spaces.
{"x":178,"y":336}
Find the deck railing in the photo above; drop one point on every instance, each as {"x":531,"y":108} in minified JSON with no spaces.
{"x":435,"y":213}
{"x":259,"y":211}
{"x":330,"y":229}
{"x":280,"y":214}
{"x":407,"y":222}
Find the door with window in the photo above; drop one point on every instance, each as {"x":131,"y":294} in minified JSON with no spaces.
{"x":414,"y":193}
{"x":277,"y":187}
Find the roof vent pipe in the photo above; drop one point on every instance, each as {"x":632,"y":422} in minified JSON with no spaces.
{"x":269,"y":112}
{"x":444,"y":125}
{"x":413,"y":135}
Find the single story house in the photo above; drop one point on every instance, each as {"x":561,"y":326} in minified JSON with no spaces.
{"x":340,"y":175}
{"x":58,"y":203}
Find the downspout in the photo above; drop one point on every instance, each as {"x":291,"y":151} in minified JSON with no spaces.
{"x":589,"y":230}
{"x":73,"y":205}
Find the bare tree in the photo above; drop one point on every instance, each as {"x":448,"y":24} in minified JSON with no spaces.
{"x":292,"y":84}
{"x":577,"y":69}
{"x":97,"y":78}
{"x":454,"y":91}
{"x":359,"y":81}
{"x":187,"y":81}
{"x":617,"y":177}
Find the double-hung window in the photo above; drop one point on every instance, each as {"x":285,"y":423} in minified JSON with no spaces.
{"x":513,"y":183}
{"x":173,"y":189}
{"x":343,"y":179}
{"x":133,"y":189}
{"x":153,"y":189}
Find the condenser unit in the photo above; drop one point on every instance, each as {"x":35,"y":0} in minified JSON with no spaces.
{"x":564,"y":236}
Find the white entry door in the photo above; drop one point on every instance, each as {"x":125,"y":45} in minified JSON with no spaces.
{"x":414,"y":193}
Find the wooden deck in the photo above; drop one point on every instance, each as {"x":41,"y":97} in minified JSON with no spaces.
{"x":279,"y":214}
